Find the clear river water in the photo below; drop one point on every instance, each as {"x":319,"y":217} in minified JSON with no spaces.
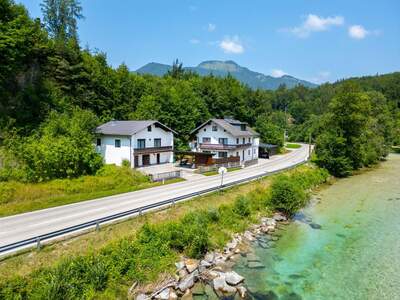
{"x":344,"y":245}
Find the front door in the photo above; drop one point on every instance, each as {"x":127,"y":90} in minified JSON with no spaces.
{"x":146,"y":160}
{"x":136,"y":161}
{"x":158,"y":158}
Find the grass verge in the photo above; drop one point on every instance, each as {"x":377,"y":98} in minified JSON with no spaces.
{"x":18,"y":197}
{"x":211,"y":173}
{"x":292,"y":146}
{"x":104,"y":264}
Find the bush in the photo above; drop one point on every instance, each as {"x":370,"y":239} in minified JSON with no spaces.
{"x":242,"y":206}
{"x":287,"y":195}
{"x":61,"y":148}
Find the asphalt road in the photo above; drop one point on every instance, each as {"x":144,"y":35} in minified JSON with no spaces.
{"x":28,"y":225}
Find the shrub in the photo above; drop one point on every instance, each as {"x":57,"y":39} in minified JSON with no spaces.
{"x":287,"y":195}
{"x":242,"y":206}
{"x":126,"y":163}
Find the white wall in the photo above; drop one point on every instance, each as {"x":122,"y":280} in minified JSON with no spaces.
{"x":167,"y":137}
{"x":114,"y":155}
{"x":111,"y":154}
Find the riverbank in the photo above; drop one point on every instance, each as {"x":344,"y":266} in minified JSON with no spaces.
{"x":208,"y":226}
{"x":344,"y":245}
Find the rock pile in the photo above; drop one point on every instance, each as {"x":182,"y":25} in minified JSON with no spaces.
{"x":212,"y":276}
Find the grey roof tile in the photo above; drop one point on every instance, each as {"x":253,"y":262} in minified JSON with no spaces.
{"x":127,"y":127}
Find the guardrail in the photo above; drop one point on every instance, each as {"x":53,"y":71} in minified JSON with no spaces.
{"x":140,"y":210}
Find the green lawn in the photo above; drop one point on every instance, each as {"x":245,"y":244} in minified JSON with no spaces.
{"x":18,"y":197}
{"x":292,"y":146}
{"x":211,"y":173}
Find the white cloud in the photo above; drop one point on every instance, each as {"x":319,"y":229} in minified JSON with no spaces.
{"x":358,"y":32}
{"x":211,"y":27}
{"x":231,"y":45}
{"x":194,"y":41}
{"x":277,"y":73}
{"x":314,"y":23}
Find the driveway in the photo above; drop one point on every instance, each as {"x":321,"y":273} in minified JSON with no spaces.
{"x":29,"y":225}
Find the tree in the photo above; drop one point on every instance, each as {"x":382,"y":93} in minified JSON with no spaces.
{"x":269,"y":132}
{"x":177,"y":70}
{"x":60,"y":18}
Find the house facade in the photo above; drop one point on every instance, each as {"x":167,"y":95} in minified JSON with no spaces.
{"x":226,"y":138}
{"x":142,"y":143}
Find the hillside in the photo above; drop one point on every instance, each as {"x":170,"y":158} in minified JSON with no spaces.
{"x":223,"y":68}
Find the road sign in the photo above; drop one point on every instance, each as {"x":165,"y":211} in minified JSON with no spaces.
{"x":222,"y":170}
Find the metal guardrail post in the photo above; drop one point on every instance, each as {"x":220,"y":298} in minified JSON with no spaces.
{"x":38,"y":244}
{"x":97,"y":226}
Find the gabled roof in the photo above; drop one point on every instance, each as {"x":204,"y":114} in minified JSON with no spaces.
{"x":227,"y":124}
{"x":128,"y":127}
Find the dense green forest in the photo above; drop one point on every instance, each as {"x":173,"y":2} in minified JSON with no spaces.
{"x":53,"y":93}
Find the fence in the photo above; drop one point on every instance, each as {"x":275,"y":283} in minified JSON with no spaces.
{"x":165,"y":175}
{"x":136,"y":211}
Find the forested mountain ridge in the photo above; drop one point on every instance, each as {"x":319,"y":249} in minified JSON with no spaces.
{"x":219,"y":68}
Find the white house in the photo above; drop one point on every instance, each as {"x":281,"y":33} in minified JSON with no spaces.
{"x":142,"y":143}
{"x":225,"y":138}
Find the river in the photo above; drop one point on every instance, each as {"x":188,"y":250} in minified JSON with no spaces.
{"x":344,"y":245}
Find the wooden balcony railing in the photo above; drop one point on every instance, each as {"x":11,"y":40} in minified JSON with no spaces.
{"x":152,"y":150}
{"x":208,"y":146}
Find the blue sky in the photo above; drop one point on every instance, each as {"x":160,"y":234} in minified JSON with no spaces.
{"x":313,"y":40}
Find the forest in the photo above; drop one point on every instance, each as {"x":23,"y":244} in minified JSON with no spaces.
{"x":53,"y":93}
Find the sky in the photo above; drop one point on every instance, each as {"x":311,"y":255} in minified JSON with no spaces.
{"x":315,"y":40}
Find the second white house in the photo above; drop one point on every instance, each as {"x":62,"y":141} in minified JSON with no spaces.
{"x":142,"y":143}
{"x":226,"y":138}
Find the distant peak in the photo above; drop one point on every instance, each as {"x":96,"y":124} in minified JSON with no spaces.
{"x":228,"y":65}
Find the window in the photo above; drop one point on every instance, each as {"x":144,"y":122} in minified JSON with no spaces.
{"x":222,"y":154}
{"x":244,"y":140}
{"x":248,"y":152}
{"x":205,"y":129}
{"x":237,"y":141}
{"x":223,"y":141}
{"x":249,"y":140}
{"x":214,"y":128}
{"x":206,"y":140}
{"x":98,"y":142}
{"x":237,"y":153}
{"x":243,"y":127}
{"x":149,"y":128}
{"x":141,"y":143}
{"x":117,"y":143}
{"x":157,"y":143}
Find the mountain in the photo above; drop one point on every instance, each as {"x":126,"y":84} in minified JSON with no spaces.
{"x":223,"y":68}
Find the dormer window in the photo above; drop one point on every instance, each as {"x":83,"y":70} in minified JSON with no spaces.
{"x":243,"y":127}
{"x":149,"y":128}
{"x":98,"y":142}
{"x":214,"y":128}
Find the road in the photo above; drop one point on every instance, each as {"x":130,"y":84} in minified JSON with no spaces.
{"x":28,"y":225}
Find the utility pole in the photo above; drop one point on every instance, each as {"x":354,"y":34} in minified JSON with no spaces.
{"x":309,"y":146}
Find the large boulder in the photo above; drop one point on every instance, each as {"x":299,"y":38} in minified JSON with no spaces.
{"x":163,"y":295}
{"x":188,"y":282}
{"x":191,"y":264}
{"x":220,"y":285}
{"x":233,"y":278}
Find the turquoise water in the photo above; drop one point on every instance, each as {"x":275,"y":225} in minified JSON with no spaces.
{"x":355,"y":254}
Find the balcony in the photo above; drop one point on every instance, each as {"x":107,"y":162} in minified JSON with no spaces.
{"x":149,"y":150}
{"x":208,"y":146}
